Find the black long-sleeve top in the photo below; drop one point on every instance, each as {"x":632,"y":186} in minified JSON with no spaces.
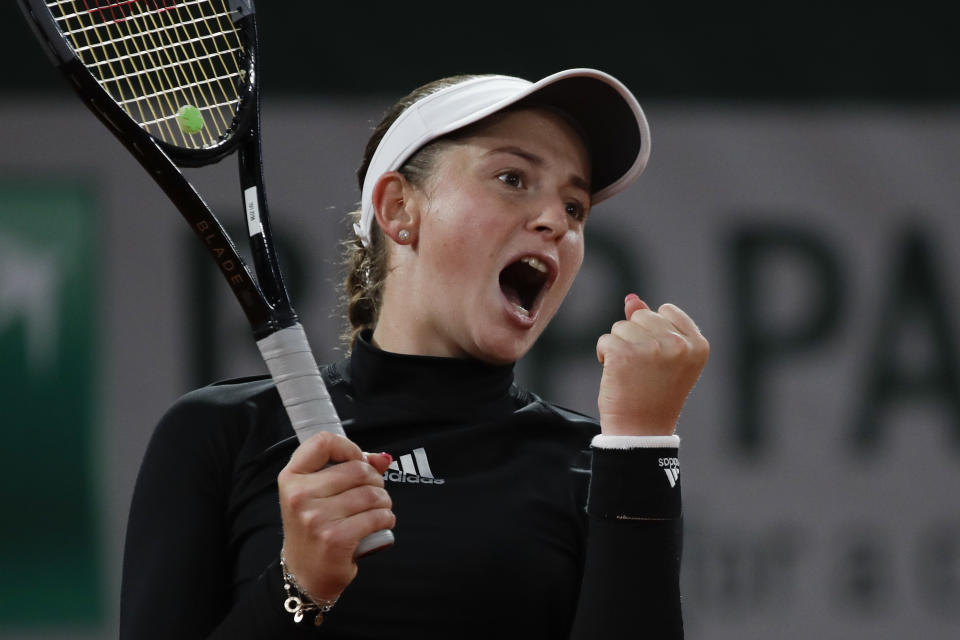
{"x":489,"y":488}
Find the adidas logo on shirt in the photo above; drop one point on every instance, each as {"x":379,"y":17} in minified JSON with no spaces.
{"x":671,"y":467}
{"x":412,"y":468}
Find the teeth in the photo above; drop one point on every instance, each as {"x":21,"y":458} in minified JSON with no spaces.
{"x":521,"y":310}
{"x":536,"y":263}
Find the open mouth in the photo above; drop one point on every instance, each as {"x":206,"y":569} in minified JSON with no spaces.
{"x":524,"y":281}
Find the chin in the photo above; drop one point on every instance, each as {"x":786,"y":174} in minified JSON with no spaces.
{"x":505,"y":349}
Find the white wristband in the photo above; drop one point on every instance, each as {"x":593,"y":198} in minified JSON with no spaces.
{"x":602,"y":441}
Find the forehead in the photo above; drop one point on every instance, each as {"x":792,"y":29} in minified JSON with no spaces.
{"x":546,"y":132}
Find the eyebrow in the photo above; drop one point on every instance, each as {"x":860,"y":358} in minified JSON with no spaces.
{"x":532,"y":158}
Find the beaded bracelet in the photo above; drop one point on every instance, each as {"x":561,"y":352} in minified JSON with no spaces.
{"x":299,"y":602}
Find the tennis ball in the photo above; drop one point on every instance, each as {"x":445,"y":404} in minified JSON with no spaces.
{"x":190,"y":119}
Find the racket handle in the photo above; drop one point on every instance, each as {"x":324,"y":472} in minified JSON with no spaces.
{"x":297,"y":377}
{"x":294,"y":370}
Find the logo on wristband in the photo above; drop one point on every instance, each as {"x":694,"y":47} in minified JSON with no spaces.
{"x":671,"y":467}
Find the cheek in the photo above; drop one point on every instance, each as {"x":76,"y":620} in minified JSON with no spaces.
{"x":448,"y":250}
{"x":571,"y":255}
{"x":571,"y":258}
{"x":458,"y":228}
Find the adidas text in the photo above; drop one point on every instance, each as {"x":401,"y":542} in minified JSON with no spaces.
{"x":396,"y":476}
{"x":669,"y":463}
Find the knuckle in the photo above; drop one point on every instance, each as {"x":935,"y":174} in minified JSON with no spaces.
{"x":703,"y":344}
{"x":370,"y":497}
{"x":604,"y":342}
{"x":295,"y":497}
{"x":329,"y":536}
{"x":657,"y":353}
{"x":703,"y":351}
{"x":372,"y":477}
{"x":386,"y":519}
{"x":317,"y":445}
{"x":356,"y":471}
{"x":675,"y":345}
{"x":320,"y":440}
{"x":313,"y":520}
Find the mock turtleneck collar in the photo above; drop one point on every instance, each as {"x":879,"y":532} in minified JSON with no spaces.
{"x":454,"y":387}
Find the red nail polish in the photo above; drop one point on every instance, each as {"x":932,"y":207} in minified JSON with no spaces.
{"x":630,"y":295}
{"x":389,"y":457}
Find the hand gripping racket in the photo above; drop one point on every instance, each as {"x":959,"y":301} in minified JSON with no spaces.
{"x":176,"y":83}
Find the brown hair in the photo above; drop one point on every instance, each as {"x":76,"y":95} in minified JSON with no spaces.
{"x":366,"y":267}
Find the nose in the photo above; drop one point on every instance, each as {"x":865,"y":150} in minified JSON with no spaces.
{"x":550,"y":218}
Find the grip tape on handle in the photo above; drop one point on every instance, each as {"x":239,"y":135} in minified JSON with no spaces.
{"x":295,"y":372}
{"x":297,"y":377}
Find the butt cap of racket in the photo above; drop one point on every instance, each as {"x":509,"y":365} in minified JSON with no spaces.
{"x":374,"y":542}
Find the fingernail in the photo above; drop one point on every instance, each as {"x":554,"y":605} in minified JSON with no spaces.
{"x":630,"y":295}
{"x":388,"y":456}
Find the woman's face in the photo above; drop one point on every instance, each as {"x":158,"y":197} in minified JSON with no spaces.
{"x":499,"y":240}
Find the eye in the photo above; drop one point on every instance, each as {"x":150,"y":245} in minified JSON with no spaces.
{"x":576,"y":210}
{"x":512,"y":178}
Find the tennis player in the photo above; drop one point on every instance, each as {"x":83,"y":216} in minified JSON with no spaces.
{"x":513,"y":517}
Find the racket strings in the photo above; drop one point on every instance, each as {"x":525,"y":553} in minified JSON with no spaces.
{"x":231,"y":66}
{"x":175,"y":66}
{"x":176,"y":87}
{"x":144,"y":84}
{"x":132,"y":49}
{"x":91,"y":41}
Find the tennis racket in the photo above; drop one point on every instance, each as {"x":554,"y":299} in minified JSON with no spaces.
{"x":176,"y":82}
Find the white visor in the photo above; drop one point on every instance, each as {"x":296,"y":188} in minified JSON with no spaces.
{"x":606,"y":113}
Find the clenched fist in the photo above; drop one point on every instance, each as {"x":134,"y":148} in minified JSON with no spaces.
{"x":650,"y":362}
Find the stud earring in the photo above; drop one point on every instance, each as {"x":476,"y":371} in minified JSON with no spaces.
{"x":403,"y":235}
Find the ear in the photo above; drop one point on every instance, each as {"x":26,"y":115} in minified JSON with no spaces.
{"x":395,"y":209}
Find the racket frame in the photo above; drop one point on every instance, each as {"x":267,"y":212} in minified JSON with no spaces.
{"x":264,"y":299}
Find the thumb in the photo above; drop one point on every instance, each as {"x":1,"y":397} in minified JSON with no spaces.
{"x":633,"y":303}
{"x":379,"y":461}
